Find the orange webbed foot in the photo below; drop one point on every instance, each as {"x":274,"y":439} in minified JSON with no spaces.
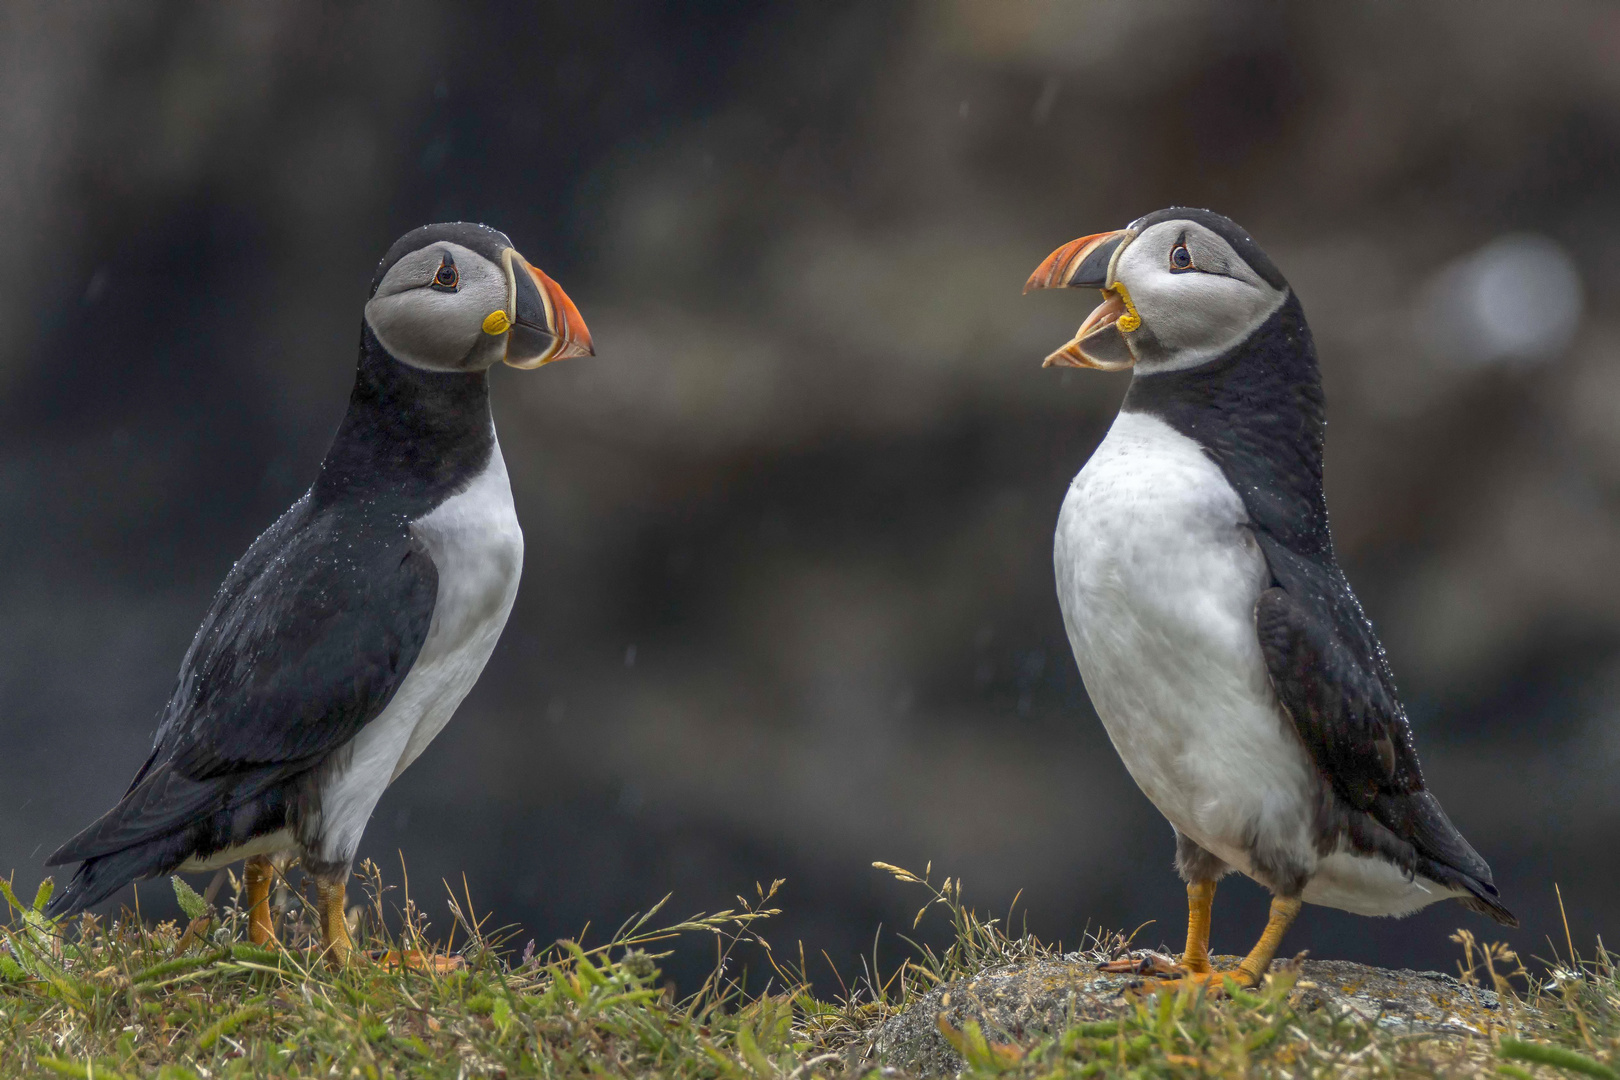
{"x":1210,"y":983}
{"x":414,"y":960}
{"x":1165,"y":973}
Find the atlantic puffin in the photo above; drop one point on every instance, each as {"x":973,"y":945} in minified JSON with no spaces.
{"x":1216,"y":635}
{"x":344,"y":639}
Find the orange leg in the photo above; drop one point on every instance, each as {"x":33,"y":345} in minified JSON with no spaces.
{"x":334,"y":921}
{"x":1284,"y":910}
{"x":1200,"y":899}
{"x":330,"y":898}
{"x":1252,"y":968}
{"x":1195,"y":960}
{"x":258,"y":874}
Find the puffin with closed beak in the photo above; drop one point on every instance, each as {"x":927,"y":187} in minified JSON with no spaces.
{"x":345,"y":638}
{"x":1219,"y":640}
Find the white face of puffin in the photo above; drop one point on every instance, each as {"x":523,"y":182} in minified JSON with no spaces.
{"x":1176,"y":296}
{"x":444,"y":307}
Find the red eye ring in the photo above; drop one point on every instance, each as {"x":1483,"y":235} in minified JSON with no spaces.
{"x":446,"y":278}
{"x":1181,"y":258}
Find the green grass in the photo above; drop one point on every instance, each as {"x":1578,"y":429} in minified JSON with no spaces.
{"x":126,"y":999}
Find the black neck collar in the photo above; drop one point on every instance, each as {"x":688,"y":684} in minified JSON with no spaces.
{"x":1258,"y":412}
{"x":415,"y":437}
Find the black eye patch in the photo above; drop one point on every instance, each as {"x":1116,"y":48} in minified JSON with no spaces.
{"x":447,"y":278}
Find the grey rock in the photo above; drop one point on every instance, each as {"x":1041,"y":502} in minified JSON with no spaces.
{"x":1021,"y":1003}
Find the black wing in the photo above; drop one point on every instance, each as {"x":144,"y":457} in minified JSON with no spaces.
{"x":306,"y":642}
{"x":1330,"y":673}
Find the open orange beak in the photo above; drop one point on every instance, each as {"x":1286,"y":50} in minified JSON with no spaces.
{"x":544,"y":325}
{"x":1088,"y":263}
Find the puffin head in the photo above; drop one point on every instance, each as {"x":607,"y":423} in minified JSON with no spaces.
{"x":1180,"y":288}
{"x":458,"y":297}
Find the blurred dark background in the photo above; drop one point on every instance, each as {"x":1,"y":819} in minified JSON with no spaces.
{"x":788,"y":605}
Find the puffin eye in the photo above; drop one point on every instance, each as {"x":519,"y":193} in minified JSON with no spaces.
{"x":1180,"y":258}
{"x":447,"y":278}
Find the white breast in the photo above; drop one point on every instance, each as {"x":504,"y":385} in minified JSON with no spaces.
{"x":477,"y":548}
{"x":1157,"y":576}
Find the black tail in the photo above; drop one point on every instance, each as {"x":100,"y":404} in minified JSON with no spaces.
{"x":1447,"y":857}
{"x":1487,"y":905}
{"x":163,"y":801}
{"x":154,"y":838}
{"x":98,"y":878}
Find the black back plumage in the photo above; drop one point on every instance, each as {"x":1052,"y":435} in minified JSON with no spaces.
{"x":310,"y":635}
{"x":1258,"y":412}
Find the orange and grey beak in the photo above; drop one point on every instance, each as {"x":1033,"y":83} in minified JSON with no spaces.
{"x":540,"y":322}
{"x":1088,"y":263}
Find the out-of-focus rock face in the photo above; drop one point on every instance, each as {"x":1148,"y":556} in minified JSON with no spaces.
{"x":1020,"y":1004}
{"x":788,"y":605}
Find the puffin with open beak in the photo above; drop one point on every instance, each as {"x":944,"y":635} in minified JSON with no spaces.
{"x":345,"y":638}
{"x":1219,"y":640}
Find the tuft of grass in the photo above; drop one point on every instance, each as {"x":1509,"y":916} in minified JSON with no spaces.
{"x":128,"y":999}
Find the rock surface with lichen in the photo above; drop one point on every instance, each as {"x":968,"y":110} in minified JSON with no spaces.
{"x":1021,"y":1003}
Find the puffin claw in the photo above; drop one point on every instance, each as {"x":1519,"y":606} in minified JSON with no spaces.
{"x":1145,"y":962}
